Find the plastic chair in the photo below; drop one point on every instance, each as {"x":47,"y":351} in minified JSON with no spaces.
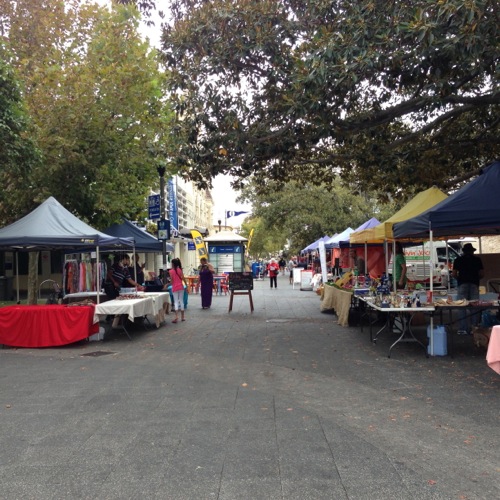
{"x":224,"y":285}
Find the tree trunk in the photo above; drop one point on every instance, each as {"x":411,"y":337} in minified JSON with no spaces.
{"x":33,"y":278}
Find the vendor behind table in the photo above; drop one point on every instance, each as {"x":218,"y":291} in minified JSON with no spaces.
{"x":468,"y":270}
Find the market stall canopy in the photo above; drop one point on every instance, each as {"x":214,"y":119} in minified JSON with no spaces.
{"x":144,"y":242}
{"x":420,"y":203}
{"x":315,"y":244}
{"x":334,"y":242}
{"x":368,"y":224}
{"x":472,"y":210}
{"x":51,"y":226}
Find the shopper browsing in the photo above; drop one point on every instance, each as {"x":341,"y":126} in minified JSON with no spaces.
{"x":468,"y":270}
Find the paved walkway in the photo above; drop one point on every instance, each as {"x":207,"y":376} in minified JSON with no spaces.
{"x":279,"y":404}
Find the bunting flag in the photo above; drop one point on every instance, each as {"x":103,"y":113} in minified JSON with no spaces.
{"x":201,"y":249}
{"x":249,"y":241}
{"x":232,"y":213}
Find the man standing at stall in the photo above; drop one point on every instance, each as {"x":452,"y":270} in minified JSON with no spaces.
{"x":468,"y":270}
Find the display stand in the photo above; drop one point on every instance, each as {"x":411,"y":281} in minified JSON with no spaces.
{"x":305,"y":280}
{"x":240,"y":284}
{"x":233,"y":293}
{"x":296,"y":276}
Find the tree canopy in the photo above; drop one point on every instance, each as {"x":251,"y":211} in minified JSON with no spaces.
{"x":386,"y":94}
{"x":18,"y":153}
{"x":301,"y":212}
{"x":95,"y":92}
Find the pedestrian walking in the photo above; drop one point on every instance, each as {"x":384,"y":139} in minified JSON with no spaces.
{"x":273,"y":270}
{"x":178,"y":284}
{"x":206,"y":277}
{"x":291,"y":265}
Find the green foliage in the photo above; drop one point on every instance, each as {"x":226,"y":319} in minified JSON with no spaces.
{"x":265,"y":241}
{"x":18,"y":153}
{"x":302,"y":212}
{"x":95,"y":91}
{"x":388,"y":95}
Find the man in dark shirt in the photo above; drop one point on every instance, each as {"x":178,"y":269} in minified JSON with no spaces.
{"x":117,"y":277}
{"x":468,"y":270}
{"x":120,"y":275}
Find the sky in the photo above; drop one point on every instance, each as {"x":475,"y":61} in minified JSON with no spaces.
{"x":224,"y":198}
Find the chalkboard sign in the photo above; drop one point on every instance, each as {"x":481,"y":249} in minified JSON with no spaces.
{"x":240,"y":281}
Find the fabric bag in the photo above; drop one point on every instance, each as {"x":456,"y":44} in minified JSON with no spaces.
{"x":481,"y":336}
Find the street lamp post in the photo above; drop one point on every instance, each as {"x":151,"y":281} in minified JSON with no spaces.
{"x":161,"y":173}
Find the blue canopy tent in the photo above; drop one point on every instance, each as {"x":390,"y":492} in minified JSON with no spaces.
{"x":144,"y":242}
{"x":315,"y":245}
{"x":50,"y":226}
{"x":368,"y":224}
{"x":334,"y":241}
{"x":472,"y":210}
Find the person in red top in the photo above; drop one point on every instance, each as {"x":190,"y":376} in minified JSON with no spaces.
{"x":273,"y":269}
{"x":178,"y":283}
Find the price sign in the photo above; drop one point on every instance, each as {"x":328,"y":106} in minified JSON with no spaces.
{"x":240,"y":281}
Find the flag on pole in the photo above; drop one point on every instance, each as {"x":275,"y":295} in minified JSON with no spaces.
{"x":201,"y":249}
{"x":232,"y":213}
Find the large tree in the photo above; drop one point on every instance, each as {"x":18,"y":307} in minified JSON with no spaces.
{"x":18,"y":153}
{"x":96,"y":94}
{"x":388,"y":94}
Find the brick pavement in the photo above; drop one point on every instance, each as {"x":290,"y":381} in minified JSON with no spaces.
{"x":279,"y":404}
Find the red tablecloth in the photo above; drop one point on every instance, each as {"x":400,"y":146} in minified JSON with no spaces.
{"x":45,"y":325}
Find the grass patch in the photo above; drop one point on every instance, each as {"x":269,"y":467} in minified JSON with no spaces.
{"x":4,"y":303}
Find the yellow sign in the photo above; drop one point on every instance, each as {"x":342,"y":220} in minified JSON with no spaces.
{"x":201,"y":249}
{"x":249,"y":241}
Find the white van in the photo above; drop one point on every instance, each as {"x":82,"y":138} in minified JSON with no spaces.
{"x":418,"y":259}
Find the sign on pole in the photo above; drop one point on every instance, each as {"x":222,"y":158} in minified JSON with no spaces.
{"x":164,"y":229}
{"x":154,"y":207}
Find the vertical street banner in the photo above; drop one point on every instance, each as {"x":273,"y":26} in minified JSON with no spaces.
{"x":249,"y":241}
{"x":322,"y":259}
{"x":201,"y":249}
{"x":172,"y":204}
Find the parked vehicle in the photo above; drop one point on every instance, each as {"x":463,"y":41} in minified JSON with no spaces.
{"x":418,"y":260}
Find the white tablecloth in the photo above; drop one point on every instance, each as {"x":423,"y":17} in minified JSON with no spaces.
{"x":133,"y":308}
{"x":159,"y":300}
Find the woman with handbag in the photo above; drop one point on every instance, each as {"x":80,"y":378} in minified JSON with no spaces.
{"x":178,"y":284}
{"x":273,"y":270}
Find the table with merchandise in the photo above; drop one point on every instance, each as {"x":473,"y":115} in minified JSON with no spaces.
{"x":129,"y":307}
{"x":403,"y":313}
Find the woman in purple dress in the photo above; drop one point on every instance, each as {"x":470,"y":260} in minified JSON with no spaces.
{"x":206,"y":274}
